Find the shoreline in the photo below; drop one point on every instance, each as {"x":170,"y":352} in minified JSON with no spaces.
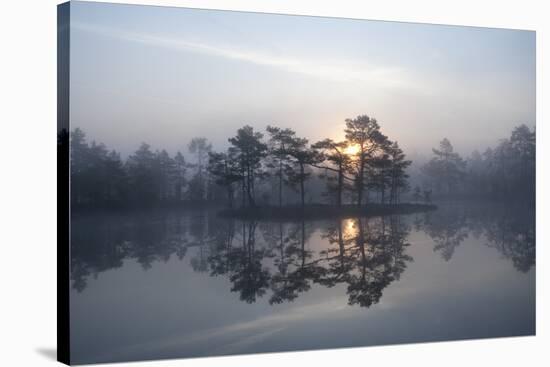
{"x":324,"y":211}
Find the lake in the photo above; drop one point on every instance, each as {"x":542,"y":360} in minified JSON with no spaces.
{"x":170,"y":284}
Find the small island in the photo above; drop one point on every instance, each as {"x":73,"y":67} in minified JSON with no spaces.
{"x":323,"y":211}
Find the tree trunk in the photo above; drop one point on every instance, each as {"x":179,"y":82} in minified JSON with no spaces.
{"x":340,"y":184}
{"x":359,"y":190}
{"x":280,"y":183}
{"x":243,"y":191}
{"x":360,"y":180}
{"x":302,"y":189}
{"x":249,"y":191}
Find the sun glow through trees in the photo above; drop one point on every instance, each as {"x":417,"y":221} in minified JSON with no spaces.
{"x":352,"y":150}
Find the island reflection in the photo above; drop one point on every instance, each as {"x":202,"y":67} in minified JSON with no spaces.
{"x":277,"y":261}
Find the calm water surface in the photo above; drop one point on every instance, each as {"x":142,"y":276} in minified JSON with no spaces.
{"x":185,"y":283}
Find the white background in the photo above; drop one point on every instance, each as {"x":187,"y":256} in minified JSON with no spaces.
{"x":28,"y":182}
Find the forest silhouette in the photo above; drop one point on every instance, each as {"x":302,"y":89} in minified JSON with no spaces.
{"x":278,"y":169}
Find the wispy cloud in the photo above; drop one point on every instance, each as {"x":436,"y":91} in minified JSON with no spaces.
{"x":328,"y":69}
{"x":248,"y":332}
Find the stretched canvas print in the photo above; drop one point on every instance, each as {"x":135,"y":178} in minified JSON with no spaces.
{"x":234,"y":182}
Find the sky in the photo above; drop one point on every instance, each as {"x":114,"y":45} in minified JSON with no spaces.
{"x":164,"y":75}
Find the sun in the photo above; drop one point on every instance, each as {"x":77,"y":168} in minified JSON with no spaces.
{"x":352,"y":149}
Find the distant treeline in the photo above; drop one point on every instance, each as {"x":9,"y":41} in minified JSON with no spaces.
{"x":279,"y":168}
{"x":504,"y":172}
{"x":257,"y":169}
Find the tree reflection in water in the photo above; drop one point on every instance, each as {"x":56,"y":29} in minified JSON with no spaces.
{"x":448,"y":229}
{"x":508,"y":229}
{"x":281,"y":260}
{"x":294,"y":270}
{"x":102,"y":242}
{"x":367,"y":255}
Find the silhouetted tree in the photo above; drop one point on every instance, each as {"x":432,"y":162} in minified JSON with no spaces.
{"x":475,"y":179}
{"x":115,"y":178}
{"x":249,"y":150}
{"x":505,"y":171}
{"x":97,"y":175}
{"x":79,"y":165}
{"x":446,"y":168}
{"x":379,"y":170}
{"x":225,"y":168}
{"x":363,"y":132}
{"x":279,"y":142}
{"x":199,"y":147}
{"x":338,"y":161}
{"x":514,"y":165}
{"x":165,"y":174}
{"x":397,"y":172}
{"x":141,"y":174}
{"x":180,"y":168}
{"x":301,"y":157}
